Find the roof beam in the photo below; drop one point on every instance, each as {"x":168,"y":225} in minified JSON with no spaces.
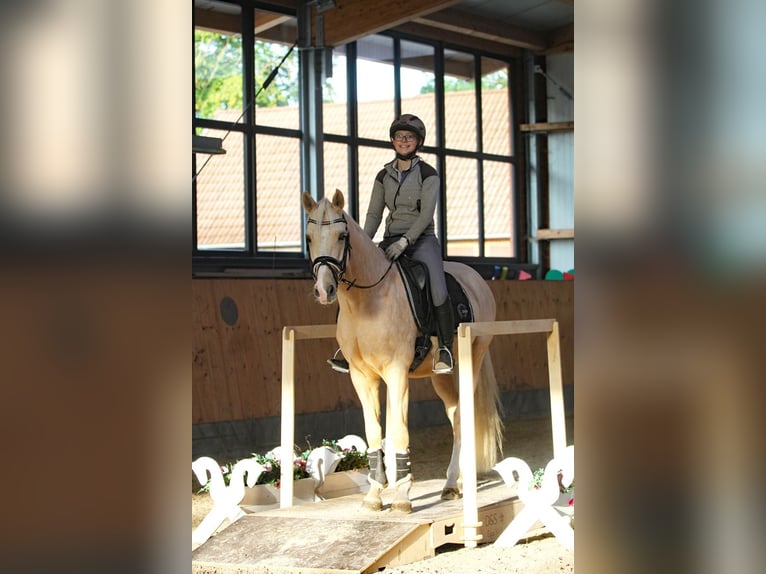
{"x":232,"y":23}
{"x":353,"y":19}
{"x":493,"y":30}
{"x":471,"y":42}
{"x":267,"y":20}
{"x":561,"y":40}
{"x":451,"y":67}
{"x":217,"y":21}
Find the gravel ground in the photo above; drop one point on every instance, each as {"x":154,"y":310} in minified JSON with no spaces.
{"x":544,"y":555}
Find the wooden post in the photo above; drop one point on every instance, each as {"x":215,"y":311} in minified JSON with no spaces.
{"x":289,"y":336}
{"x":558,"y":425}
{"x":288,"y":417}
{"x":467,"y":438}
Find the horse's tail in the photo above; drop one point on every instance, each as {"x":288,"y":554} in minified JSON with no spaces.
{"x":489,"y":423}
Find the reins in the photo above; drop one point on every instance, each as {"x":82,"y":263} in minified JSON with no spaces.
{"x":353,"y":283}
{"x":338,"y":268}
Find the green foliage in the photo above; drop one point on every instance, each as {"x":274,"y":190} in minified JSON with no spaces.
{"x":537,"y":481}
{"x":450,"y":85}
{"x":272,"y":470}
{"x":495,"y":81}
{"x":352,"y":458}
{"x":283,"y":91}
{"x":218,"y":73}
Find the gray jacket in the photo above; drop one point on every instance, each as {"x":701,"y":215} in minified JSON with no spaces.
{"x":411,"y":203}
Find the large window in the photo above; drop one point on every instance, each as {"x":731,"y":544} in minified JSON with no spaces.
{"x":469,"y":143}
{"x":247,"y":200}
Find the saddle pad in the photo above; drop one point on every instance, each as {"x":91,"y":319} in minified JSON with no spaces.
{"x":461,"y":306}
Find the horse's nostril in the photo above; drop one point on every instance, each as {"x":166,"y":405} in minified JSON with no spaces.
{"x":331,"y":290}
{"x":316,"y":292}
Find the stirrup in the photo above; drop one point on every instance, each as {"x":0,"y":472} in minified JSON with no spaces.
{"x":440,"y":366}
{"x":340,"y":365}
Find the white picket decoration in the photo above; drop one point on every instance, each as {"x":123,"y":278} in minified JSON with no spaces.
{"x":226,"y":498}
{"x":538,"y":502}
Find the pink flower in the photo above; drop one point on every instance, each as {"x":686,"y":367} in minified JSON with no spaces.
{"x":571,"y":501}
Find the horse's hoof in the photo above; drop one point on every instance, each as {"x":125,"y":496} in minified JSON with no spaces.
{"x":451,"y":494}
{"x":403,"y":506}
{"x":374,"y":505}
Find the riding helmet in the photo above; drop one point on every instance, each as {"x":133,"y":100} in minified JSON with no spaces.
{"x":409,"y":123}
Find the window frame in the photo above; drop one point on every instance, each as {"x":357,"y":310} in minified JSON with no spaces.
{"x":252,"y":262}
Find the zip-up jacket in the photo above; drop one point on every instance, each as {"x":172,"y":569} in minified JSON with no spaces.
{"x":411,"y":202}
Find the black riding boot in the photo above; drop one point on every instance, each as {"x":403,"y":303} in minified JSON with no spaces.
{"x":444,"y":329}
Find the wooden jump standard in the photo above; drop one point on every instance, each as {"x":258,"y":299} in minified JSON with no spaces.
{"x":465,"y":372}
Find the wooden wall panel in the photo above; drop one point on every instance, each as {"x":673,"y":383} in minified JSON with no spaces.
{"x":236,"y":369}
{"x":521,"y":361}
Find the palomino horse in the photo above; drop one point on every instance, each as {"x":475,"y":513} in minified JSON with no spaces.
{"x":376,"y":333}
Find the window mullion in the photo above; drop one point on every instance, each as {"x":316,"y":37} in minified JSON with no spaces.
{"x":249,"y":159}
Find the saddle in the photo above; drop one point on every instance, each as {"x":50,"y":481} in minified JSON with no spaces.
{"x":414,"y":275}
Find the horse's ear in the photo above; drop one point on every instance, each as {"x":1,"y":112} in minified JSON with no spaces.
{"x":308,"y":202}
{"x":338,"y":200}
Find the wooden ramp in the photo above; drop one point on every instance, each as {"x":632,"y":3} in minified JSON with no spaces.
{"x":338,"y":535}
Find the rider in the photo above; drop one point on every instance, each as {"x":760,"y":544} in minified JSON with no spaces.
{"x":409,"y":188}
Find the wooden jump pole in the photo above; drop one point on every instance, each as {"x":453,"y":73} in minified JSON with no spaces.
{"x":466,"y":332}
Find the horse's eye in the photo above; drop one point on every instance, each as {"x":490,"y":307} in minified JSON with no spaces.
{"x":308,"y":239}
{"x":342,"y":236}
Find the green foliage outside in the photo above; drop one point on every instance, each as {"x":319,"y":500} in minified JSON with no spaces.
{"x":494,"y":81}
{"x":218,"y":73}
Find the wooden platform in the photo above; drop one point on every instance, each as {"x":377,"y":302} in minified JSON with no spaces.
{"x":338,"y":535}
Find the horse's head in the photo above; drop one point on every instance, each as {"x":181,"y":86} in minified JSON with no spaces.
{"x":327,"y":239}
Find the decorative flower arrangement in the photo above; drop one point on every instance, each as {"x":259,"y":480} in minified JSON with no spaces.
{"x":353,"y":459}
{"x":350,"y":459}
{"x":537,"y":483}
{"x":271,"y":462}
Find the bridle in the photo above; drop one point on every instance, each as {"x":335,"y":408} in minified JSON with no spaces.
{"x":338,"y":268}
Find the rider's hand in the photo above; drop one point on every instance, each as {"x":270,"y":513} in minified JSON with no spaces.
{"x":394,"y":250}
